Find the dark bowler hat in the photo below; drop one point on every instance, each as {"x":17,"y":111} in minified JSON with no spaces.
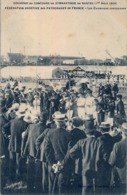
{"x":89,"y":126}
{"x":77,"y":121}
{"x":104,"y":126}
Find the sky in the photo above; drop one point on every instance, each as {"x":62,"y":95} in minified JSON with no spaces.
{"x":63,"y":32}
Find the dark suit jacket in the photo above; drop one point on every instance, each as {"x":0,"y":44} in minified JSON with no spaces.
{"x":118,"y":158}
{"x":40,"y":145}
{"x":56,"y":145}
{"x":16,"y":127}
{"x":90,"y":151}
{"x":32,"y":133}
{"x":4,"y":140}
{"x":76,"y":135}
{"x":109,"y":141}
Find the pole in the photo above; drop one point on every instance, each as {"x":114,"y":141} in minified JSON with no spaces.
{"x":36,"y":85}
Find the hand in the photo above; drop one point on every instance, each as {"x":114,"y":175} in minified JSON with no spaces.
{"x":54,"y":167}
{"x":37,"y":160}
{"x":58,"y":167}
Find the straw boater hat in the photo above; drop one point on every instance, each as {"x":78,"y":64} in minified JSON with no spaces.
{"x":58,"y":116}
{"x":30,"y":90}
{"x":15,"y":106}
{"x":27,"y":118}
{"x":124,"y":127}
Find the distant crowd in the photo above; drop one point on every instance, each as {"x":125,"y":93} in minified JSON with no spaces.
{"x":63,"y":140}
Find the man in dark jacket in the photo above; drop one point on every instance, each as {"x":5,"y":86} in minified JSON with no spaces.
{"x":29,"y":149}
{"x":40,"y":147}
{"x":4,"y":155}
{"x":108,"y":140}
{"x":118,"y":159}
{"x":90,"y":150}
{"x":77,"y":133}
{"x":56,"y":146}
{"x":14,"y":129}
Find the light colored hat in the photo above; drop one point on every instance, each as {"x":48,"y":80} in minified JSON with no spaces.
{"x":22,"y":109}
{"x":30,"y":90}
{"x":7,"y":94}
{"x":27,"y":118}
{"x":35,"y":96}
{"x":58,"y":116}
{"x":15,"y":106}
{"x":124,"y":126}
{"x":16,"y":88}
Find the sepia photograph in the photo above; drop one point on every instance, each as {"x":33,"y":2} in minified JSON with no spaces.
{"x":63,"y":97}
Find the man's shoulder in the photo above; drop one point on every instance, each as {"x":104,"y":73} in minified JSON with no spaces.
{"x":121,"y":143}
{"x":88,"y":140}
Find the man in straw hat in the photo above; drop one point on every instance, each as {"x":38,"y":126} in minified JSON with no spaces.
{"x":14,"y":129}
{"x":118,"y":159}
{"x":56,"y":146}
{"x":34,"y":130}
